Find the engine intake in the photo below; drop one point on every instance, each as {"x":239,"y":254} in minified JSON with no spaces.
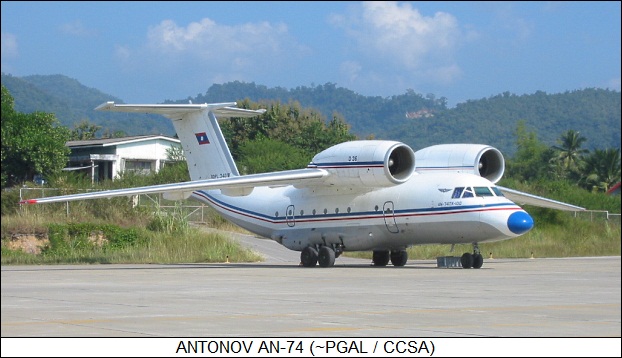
{"x":479,"y":159}
{"x":368,"y":163}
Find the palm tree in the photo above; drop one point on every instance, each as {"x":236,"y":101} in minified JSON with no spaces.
{"x":601,"y":169}
{"x":570,"y":151}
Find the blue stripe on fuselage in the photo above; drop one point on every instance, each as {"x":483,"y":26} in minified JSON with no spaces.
{"x":358,"y":215}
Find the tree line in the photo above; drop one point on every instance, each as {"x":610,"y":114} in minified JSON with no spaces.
{"x":412,"y":118}
{"x":287,"y":136}
{"x":596,"y":171}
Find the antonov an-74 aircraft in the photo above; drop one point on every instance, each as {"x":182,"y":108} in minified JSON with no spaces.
{"x":364,"y":195}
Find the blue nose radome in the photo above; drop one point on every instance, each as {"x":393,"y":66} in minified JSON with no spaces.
{"x":520,"y":222}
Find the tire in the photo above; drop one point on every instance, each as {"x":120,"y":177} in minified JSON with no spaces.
{"x":308,"y":257}
{"x":326,"y":257}
{"x":466,"y":260}
{"x":399,"y":258}
{"x":380,"y":258}
{"x":478,"y":261}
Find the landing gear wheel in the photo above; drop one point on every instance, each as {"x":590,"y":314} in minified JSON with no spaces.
{"x":380,"y":258}
{"x":308,"y":256}
{"x":478,"y":260}
{"x":466,"y":260}
{"x":326,"y":257}
{"x":399,"y":258}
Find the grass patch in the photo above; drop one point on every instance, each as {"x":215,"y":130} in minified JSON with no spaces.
{"x":144,"y":236}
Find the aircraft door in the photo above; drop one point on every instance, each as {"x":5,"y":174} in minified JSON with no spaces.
{"x":290,"y":216}
{"x":389,"y":217}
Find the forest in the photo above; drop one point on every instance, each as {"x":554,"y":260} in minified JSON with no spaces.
{"x":415,"y":119}
{"x":287,"y":136}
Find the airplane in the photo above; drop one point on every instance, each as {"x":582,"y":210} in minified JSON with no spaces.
{"x":362,"y":195}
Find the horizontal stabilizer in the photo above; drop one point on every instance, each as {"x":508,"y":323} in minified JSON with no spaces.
{"x":225,"y":110}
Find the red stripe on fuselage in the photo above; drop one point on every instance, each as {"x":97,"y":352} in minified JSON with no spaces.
{"x":352,"y":216}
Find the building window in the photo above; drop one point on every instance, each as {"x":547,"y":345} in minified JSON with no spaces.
{"x":138,"y":166}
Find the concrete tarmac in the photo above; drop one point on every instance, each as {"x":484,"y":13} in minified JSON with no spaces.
{"x":569,"y":297}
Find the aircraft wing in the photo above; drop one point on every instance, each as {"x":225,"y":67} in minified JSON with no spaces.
{"x":520,"y":198}
{"x":184,"y":189}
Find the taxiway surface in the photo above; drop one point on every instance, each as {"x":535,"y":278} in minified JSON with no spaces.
{"x":569,"y":297}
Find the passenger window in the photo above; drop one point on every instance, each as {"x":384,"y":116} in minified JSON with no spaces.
{"x":457,"y":193}
{"x":482,"y":191}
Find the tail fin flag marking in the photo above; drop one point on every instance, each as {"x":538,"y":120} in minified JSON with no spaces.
{"x":202,"y":138}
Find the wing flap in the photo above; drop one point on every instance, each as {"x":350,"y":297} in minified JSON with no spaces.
{"x":520,"y":198}
{"x":236,"y":184}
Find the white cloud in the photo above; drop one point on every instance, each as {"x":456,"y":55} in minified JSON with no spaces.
{"x":614,"y":84}
{"x":444,"y":74}
{"x":123,"y":53}
{"x":209,"y":52}
{"x":9,"y":45}
{"x":208,"y":40}
{"x":77,"y":28}
{"x":507,"y":18}
{"x":351,"y":70}
{"x":405,"y":40}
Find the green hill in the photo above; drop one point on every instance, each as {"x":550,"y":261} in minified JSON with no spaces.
{"x":412,"y":118}
{"x":72,"y":102}
{"x":595,"y":113}
{"x":420,"y":121}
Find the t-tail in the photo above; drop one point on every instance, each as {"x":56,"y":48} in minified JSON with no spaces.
{"x":204,"y":146}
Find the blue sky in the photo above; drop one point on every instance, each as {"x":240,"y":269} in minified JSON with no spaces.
{"x":147,"y":52}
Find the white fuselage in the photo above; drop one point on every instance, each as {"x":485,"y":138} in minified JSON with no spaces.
{"x":419,"y":211}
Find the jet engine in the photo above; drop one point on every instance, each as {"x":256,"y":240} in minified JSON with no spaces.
{"x":479,"y":159}
{"x":367,"y":163}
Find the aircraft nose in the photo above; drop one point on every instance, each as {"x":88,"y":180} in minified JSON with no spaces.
{"x":520,"y":222}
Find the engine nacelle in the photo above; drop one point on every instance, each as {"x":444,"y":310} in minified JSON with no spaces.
{"x":367,"y":163}
{"x":478,"y":159}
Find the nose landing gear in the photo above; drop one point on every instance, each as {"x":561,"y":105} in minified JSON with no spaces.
{"x":474,"y":260}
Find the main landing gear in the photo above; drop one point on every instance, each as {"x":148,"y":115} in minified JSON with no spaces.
{"x":324,"y":255}
{"x":474,"y":260}
{"x":397,"y":257}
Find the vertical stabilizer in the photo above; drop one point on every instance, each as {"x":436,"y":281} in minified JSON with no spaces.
{"x":204,"y":146}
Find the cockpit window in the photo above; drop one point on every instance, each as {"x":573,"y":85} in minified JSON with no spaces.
{"x":457,"y":193}
{"x":479,"y":191}
{"x":468,"y":192}
{"x":482,"y":191}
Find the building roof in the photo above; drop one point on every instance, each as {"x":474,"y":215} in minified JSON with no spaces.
{"x":105,"y":142}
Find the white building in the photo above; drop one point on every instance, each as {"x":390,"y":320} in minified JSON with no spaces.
{"x":107,"y":158}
